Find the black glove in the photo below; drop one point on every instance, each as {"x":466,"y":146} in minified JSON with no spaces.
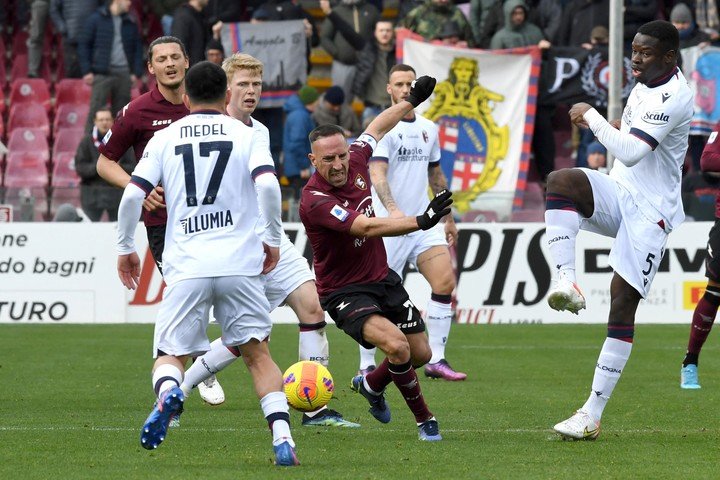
{"x":421,"y":90}
{"x":437,"y":209}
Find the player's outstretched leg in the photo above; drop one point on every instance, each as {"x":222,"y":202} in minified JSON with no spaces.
{"x":702,"y":322}
{"x":585,"y":423}
{"x":202,"y":372}
{"x":439,"y":320}
{"x":372,"y":387}
{"x":166,"y":380}
{"x":562,"y":222}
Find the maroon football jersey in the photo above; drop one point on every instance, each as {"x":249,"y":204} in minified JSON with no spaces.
{"x":327,"y":212}
{"x":134,"y":126}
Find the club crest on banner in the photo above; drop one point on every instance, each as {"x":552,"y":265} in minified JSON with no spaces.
{"x":595,"y":77}
{"x":471,"y":141}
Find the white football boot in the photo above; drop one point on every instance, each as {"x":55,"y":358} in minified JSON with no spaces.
{"x":566,"y":295}
{"x":580,"y":426}
{"x":211,"y":391}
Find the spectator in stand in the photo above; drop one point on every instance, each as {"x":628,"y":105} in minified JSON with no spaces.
{"x":479,"y":13}
{"x":579,"y":17}
{"x":164,"y":10}
{"x":97,"y":195}
{"x":518,"y":31}
{"x":227,"y":11}
{"x":450,"y":35}
{"x":191,"y":26}
{"x":375,"y":60}
{"x":68,"y":17}
{"x":298,"y":125}
{"x":635,"y":14}
{"x":39,"y":10}
{"x":362,"y":16}
{"x":406,"y":6}
{"x":690,"y":34}
{"x":545,"y":14}
{"x":429,"y":18}
{"x":214,"y":52}
{"x":707,"y":18}
{"x":597,"y":157}
{"x":333,"y":110}
{"x":110,"y":53}
{"x":66,"y":212}
{"x":373,"y":68}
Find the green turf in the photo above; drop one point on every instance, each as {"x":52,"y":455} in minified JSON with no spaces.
{"x":73,"y":398}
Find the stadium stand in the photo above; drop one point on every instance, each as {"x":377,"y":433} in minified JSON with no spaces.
{"x":30,"y":90}
{"x":28,"y":115}
{"x":70,"y":115}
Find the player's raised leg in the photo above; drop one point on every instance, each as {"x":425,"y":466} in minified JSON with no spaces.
{"x":436,"y":266}
{"x":702,"y":322}
{"x":569,"y":196}
{"x":585,"y":423}
{"x":201,"y":373}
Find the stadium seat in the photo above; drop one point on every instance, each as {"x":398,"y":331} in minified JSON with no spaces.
{"x":528,"y":215}
{"x":19,"y":43}
{"x":30,"y":90}
{"x":67,"y":140}
{"x":70,"y":115}
{"x":3,"y":73}
{"x":2,"y":133}
{"x":72,"y":90}
{"x":62,"y":195}
{"x":30,"y":204}
{"x":63,"y":173}
{"x":26,"y":169}
{"x":27,"y":140}
{"x":28,"y":115}
{"x":2,"y":101}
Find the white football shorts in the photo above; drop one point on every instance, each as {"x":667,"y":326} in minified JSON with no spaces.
{"x":240,"y":306}
{"x":639,"y":241}
{"x":406,"y":248}
{"x":291,"y":271}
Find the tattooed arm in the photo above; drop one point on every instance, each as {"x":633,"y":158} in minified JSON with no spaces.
{"x":438,"y":183}
{"x":378,"y":176}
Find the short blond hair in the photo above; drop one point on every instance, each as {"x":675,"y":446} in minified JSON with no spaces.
{"x":241,"y":61}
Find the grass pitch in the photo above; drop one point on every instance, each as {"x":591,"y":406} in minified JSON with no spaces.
{"x":73,"y":399}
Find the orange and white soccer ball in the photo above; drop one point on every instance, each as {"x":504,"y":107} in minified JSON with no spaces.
{"x":308,"y":386}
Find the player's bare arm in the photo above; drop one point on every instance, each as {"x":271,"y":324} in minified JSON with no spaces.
{"x":114,"y":174}
{"x":378,"y":176}
{"x":438,"y":183}
{"x":421,"y":90}
{"x":438,"y":207}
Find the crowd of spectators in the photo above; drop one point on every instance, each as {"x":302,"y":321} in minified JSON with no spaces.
{"x":102,"y":42}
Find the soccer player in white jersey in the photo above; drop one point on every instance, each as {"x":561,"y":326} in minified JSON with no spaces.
{"x":291,"y":282}
{"x":218,"y":177}
{"x":405,"y":162}
{"x":638,"y":204}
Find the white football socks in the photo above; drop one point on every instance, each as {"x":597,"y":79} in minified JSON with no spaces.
{"x":611,"y":362}
{"x":561,"y":229}
{"x":313,"y":345}
{"x":168,"y":375}
{"x":217,"y":358}
{"x":439,"y":319}
{"x":367,"y":357}
{"x":276,"y":402}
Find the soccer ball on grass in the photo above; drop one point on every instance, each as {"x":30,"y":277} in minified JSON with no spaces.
{"x":308,"y":386}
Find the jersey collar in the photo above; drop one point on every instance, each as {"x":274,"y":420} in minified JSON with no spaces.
{"x":662,"y":80}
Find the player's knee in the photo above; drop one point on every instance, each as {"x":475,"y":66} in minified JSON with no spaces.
{"x":397,"y":350}
{"x":444,"y":285}
{"x":421,"y":357}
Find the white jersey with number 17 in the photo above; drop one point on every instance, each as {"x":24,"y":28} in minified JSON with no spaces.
{"x":206,"y":162}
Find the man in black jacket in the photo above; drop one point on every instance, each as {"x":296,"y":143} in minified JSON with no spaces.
{"x":190,"y":25}
{"x":97,"y":195}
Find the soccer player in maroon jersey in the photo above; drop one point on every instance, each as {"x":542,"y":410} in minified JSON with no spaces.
{"x":365,"y":298}
{"x":137,"y":123}
{"x":707,"y":307}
